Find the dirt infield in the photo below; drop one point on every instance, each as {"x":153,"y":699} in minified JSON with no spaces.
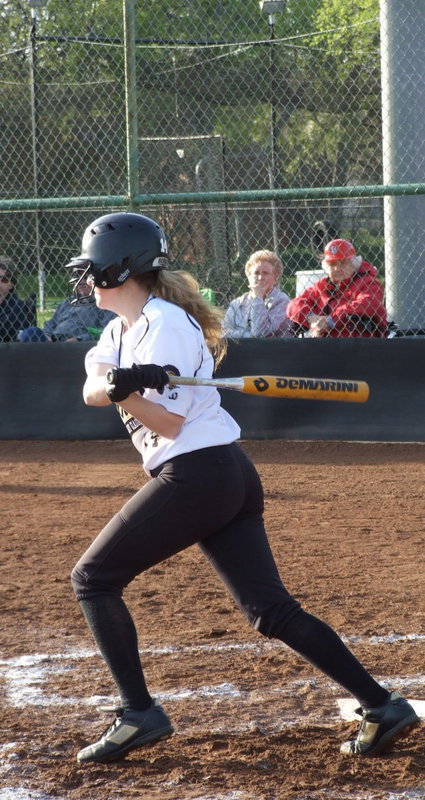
{"x":253,"y":721}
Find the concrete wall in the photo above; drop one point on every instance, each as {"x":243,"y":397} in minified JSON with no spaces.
{"x":40,"y":391}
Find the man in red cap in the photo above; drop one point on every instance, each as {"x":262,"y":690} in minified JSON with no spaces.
{"x":348,"y":301}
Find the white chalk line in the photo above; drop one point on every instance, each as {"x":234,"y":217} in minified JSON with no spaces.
{"x":25,"y":676}
{"x":12,"y":793}
{"x":260,"y":646}
{"x":323,"y":794}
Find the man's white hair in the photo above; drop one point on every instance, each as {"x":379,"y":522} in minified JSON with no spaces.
{"x":356,"y":262}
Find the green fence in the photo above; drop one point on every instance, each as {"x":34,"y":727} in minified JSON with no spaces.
{"x":238,"y":125}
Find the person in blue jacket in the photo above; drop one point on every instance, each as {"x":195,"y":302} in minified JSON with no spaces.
{"x":14,"y":312}
{"x":71,"y":322}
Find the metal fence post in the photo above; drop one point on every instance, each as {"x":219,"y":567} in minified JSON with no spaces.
{"x":131,"y":101}
{"x":403,"y":151}
{"x":34,"y":4}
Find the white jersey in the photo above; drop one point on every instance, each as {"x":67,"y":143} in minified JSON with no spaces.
{"x":166,"y":335}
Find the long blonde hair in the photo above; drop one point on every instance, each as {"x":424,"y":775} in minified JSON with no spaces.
{"x":182,"y":289}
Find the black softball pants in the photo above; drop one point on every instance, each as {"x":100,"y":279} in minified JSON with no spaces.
{"x":212,"y":497}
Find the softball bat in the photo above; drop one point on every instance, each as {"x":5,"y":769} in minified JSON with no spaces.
{"x":345,"y":391}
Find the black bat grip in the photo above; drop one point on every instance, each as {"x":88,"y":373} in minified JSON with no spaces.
{"x":111,"y":376}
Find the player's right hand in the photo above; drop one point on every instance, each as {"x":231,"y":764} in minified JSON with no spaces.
{"x":122,"y":381}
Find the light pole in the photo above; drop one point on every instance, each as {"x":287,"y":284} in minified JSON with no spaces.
{"x":34,"y":5}
{"x":271,"y":8}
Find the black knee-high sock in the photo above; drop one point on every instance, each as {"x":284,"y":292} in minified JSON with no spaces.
{"x":115,"y":634}
{"x":322,"y":647}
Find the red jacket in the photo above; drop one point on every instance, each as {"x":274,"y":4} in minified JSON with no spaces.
{"x":355,"y":307}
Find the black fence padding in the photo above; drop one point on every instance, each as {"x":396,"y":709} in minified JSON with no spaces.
{"x":41,"y":391}
{"x":41,"y":394}
{"x":394,"y":411}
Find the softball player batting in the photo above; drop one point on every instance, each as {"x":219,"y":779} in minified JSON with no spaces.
{"x":202,"y":488}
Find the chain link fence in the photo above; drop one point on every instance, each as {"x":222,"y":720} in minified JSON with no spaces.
{"x":113,"y":105}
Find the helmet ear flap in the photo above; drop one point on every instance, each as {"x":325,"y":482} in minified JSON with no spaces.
{"x":113,"y":276}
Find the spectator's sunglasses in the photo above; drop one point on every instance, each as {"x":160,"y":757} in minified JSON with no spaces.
{"x":5,"y":279}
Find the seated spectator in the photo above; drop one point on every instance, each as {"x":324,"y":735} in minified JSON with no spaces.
{"x":14,"y":312}
{"x":70,"y":322}
{"x":348,"y":301}
{"x":260,"y":312}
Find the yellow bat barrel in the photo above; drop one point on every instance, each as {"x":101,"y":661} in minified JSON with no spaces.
{"x":349,"y":391}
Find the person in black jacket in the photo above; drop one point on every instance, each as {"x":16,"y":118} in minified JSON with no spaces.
{"x":14,"y":312}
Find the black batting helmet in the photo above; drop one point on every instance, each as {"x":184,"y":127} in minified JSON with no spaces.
{"x":117,"y":246}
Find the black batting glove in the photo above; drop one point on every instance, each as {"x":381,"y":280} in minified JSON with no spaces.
{"x":120,"y":382}
{"x":123,"y":381}
{"x":151,"y":376}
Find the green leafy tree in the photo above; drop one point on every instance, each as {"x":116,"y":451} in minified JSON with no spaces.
{"x":214,"y":73}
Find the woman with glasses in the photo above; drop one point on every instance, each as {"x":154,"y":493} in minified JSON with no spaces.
{"x":14,"y":312}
